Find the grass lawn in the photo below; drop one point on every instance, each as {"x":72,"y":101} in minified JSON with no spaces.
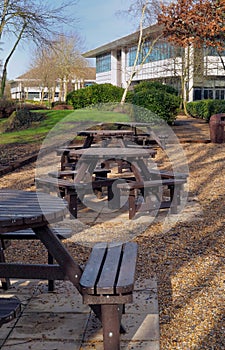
{"x":39,"y":130}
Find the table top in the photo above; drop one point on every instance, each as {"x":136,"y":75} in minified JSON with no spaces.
{"x":107,"y":133}
{"x":111,"y":152}
{"x":23,"y":209}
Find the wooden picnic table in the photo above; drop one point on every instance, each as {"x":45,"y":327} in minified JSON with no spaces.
{"x":144,"y":133}
{"x":105,"y":293}
{"x":90,"y":157}
{"x":21,"y":210}
{"x":105,"y":136}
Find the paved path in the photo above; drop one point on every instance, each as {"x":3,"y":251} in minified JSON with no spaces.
{"x":59,"y":320}
{"x":190,"y":129}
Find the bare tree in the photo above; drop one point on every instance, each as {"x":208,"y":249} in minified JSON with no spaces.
{"x":60,"y":64}
{"x":147,"y":12}
{"x":31,"y":20}
{"x":68,"y":60}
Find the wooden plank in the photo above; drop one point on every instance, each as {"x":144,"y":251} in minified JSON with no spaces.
{"x":107,"y":280}
{"x":28,"y":234}
{"x":91,"y":272}
{"x":126,"y":277}
{"x":34,"y":271}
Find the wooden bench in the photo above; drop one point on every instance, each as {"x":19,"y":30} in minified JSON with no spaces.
{"x":10,"y":308}
{"x":68,"y":190}
{"x":28,"y":234}
{"x":154,"y":186}
{"x":61,"y":174}
{"x":166,"y":174}
{"x":108,"y":280}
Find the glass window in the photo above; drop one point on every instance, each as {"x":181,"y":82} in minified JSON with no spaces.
{"x":219,"y":94}
{"x":103,"y":63}
{"x":208,"y":94}
{"x":32,"y":95}
{"x":197,"y":94}
{"x":160,"y":51}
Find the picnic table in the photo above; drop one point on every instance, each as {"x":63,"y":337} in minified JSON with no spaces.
{"x":102,"y":137}
{"x":144,"y":179}
{"x":144,"y":134}
{"x":106,"y":136}
{"x":105,"y":293}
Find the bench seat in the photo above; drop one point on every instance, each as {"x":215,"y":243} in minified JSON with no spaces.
{"x":156,"y":187}
{"x":27,"y":234}
{"x":99,"y":173}
{"x":108,"y":280}
{"x":68,"y":189}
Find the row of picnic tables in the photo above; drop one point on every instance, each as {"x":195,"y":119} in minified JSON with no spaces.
{"x":27,"y":210}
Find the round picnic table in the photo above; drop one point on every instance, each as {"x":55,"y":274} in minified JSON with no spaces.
{"x":88,"y":159}
{"x":20,"y":210}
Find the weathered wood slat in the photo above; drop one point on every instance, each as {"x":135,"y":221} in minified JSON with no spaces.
{"x":107,"y":280}
{"x":91,"y":273}
{"x":126,"y":277}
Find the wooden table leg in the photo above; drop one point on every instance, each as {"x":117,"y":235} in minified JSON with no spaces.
{"x":111,"y":326}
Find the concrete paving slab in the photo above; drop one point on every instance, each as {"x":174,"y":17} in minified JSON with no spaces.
{"x":59,"y":320}
{"x":40,"y":345}
{"x":64,"y":299}
{"x":141,"y":327}
{"x":50,"y":326}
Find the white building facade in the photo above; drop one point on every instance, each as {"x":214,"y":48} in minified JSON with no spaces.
{"x":200,"y":71}
{"x":27,"y":88}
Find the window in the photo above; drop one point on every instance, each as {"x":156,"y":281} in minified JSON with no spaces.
{"x":103,"y":63}
{"x":33,"y":95}
{"x":212,"y":51}
{"x":208,"y":94}
{"x":160,"y":51}
{"x":220,"y":93}
{"x":197,"y":94}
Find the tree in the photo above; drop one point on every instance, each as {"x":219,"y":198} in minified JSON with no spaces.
{"x":60,"y":64}
{"x":146,"y":11}
{"x":70,"y":65}
{"x":193,"y":25}
{"x":30,"y":20}
{"x":194,"y":22}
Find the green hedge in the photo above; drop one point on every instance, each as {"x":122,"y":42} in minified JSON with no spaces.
{"x":94,"y":94}
{"x":160,"y":99}
{"x":204,"y":109}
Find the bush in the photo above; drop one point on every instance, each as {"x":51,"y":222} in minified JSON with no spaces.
{"x":7,"y":107}
{"x":94,"y":94}
{"x":204,"y":109}
{"x":149,"y":85}
{"x":20,"y":120}
{"x":160,"y":99}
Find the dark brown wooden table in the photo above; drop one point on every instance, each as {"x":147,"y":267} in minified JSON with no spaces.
{"x":105,"y":136}
{"x":23,"y":209}
{"x":90,"y":157}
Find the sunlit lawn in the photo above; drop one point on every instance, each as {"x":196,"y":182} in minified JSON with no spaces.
{"x":39,"y":130}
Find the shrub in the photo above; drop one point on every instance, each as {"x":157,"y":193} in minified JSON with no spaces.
{"x":20,"y":120}
{"x":204,"y":109}
{"x":149,"y":85}
{"x":6,"y":107}
{"x":160,"y":99}
{"x":94,"y":94}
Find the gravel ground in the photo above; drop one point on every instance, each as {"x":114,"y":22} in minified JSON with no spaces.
{"x":188,"y":260}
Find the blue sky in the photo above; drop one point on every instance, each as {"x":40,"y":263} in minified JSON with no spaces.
{"x":97,"y":25}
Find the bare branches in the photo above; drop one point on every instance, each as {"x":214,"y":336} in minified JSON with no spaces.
{"x":33,"y":20}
